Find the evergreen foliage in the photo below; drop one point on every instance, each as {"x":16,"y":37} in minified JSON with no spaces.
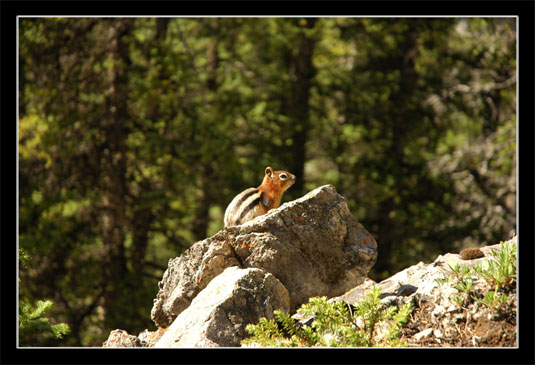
{"x":335,"y":324}
{"x":32,"y":321}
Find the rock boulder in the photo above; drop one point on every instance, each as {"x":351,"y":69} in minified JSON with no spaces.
{"x":313,"y":245}
{"x":218,"y":315}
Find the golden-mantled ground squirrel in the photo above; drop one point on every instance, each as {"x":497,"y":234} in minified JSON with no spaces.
{"x":253,"y":202}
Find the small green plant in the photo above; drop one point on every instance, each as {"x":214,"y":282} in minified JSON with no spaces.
{"x":458,"y":299}
{"x":462,"y":275}
{"x":465,"y":286}
{"x":335,"y":324}
{"x":443,"y":281}
{"x":460,"y":272}
{"x":493,"y":300}
{"x":499,"y":272}
{"x":32,"y":323}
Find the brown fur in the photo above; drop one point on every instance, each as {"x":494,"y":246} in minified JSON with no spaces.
{"x":269,"y":194}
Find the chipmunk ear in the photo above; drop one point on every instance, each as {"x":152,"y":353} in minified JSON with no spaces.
{"x":269,"y":172}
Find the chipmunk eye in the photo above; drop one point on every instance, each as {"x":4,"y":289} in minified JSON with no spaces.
{"x":283,"y":176}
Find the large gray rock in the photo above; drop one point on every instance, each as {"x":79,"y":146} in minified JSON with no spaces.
{"x":313,"y":245}
{"x":417,"y":279}
{"x":444,"y":315}
{"x":188,"y":274}
{"x":218,"y":315}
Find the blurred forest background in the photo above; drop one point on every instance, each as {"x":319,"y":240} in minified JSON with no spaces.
{"x":135,"y":134}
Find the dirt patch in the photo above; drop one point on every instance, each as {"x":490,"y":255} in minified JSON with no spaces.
{"x":472,"y":325}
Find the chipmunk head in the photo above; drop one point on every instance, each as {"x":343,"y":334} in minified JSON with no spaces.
{"x":282,"y":179}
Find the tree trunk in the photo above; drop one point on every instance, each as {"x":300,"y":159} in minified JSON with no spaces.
{"x":143,"y":216}
{"x":206,"y":188}
{"x":302,"y":71}
{"x":389,"y":228}
{"x":114,"y":125}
